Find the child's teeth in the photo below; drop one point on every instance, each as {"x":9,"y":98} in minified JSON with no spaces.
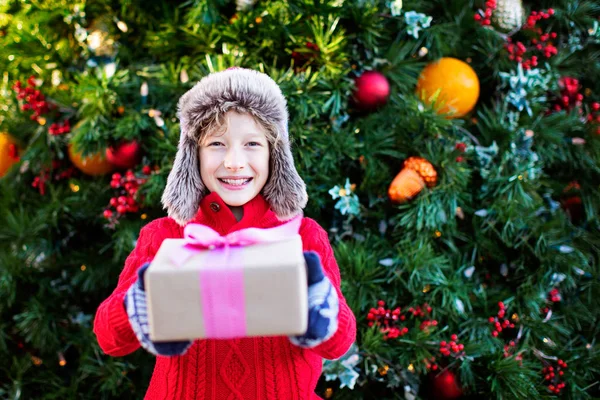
{"x":235,"y":181}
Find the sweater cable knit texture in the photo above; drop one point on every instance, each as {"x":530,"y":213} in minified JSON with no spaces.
{"x":266,"y":368}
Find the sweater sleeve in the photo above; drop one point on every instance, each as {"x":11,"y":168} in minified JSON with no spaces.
{"x":315,"y":239}
{"x":111,"y":324}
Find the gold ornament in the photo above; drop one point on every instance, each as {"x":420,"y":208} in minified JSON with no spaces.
{"x":508,"y":15}
{"x":416,"y":174}
{"x":8,"y":153}
{"x":94,"y":164}
{"x":452,"y":84}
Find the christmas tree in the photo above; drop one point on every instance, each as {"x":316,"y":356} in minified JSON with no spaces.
{"x":451,"y":149}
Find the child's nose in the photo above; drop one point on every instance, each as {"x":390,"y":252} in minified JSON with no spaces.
{"x":234,"y":159}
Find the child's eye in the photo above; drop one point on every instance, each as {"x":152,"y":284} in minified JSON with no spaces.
{"x":254,"y":144}
{"x":215,"y":144}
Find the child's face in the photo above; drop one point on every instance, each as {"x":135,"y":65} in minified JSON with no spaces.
{"x":235,"y":164}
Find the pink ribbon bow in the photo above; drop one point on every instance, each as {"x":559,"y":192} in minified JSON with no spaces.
{"x":201,"y":237}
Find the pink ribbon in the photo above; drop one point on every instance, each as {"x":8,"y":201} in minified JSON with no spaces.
{"x":221,"y":277}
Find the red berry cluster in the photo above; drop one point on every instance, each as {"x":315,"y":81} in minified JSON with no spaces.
{"x":554,"y":376}
{"x":460,"y":147}
{"x":39,"y":182}
{"x":542,"y":44}
{"x":484,"y":18}
{"x":35,"y":100}
{"x":60,"y":128}
{"x":127,"y":187}
{"x":451,"y":347}
{"x":388,"y":319}
{"x":535,"y":16}
{"x":447,"y":348}
{"x":554,"y":296}
{"x":570,"y":97}
{"x":517,"y":52}
{"x":509,"y":350}
{"x":500,"y":322}
{"x":594,"y":115}
{"x":430,"y":363}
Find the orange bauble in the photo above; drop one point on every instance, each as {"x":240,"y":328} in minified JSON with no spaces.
{"x":452,"y":84}
{"x":94,"y":164}
{"x":8,"y":153}
{"x":416,"y":174}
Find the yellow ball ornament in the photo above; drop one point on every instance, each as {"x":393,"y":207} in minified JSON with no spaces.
{"x":452,"y":84}
{"x":8,"y":153}
{"x":94,"y":164}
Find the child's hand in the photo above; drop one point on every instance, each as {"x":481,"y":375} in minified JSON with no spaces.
{"x":323,"y":305}
{"x":136,"y":306}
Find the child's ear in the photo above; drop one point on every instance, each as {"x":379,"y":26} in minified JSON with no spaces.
{"x":184,"y":188}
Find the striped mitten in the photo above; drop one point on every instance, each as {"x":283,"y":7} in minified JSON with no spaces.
{"x":136,"y":306}
{"x":323,"y":305}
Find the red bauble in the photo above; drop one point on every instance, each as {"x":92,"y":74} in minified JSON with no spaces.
{"x":124,"y":155}
{"x":574,"y":208}
{"x":445,"y":386}
{"x":372,"y":90}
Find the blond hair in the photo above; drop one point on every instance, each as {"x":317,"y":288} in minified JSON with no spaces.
{"x":217,"y":124}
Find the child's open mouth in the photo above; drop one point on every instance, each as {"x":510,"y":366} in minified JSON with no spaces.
{"x":234,"y":184}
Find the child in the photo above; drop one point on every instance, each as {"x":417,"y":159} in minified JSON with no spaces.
{"x":233,"y":170}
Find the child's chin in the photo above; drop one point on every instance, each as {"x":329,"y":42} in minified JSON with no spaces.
{"x":236,"y":200}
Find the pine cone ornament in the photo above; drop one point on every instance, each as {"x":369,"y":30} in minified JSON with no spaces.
{"x":416,"y":174}
{"x":423,"y":168}
{"x":509,"y":15}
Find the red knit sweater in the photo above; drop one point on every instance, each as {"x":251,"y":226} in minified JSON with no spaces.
{"x":266,"y":368}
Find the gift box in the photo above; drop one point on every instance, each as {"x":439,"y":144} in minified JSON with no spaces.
{"x":249,"y":283}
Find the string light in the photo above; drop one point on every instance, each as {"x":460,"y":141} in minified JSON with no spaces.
{"x":144,"y":216}
{"x":438,"y":234}
{"x":61,"y":360}
{"x":183,"y":76}
{"x":144,"y":89}
{"x":423,"y":51}
{"x":41,"y":121}
{"x":411,"y":368}
{"x":328,"y":393}
{"x":122,"y":26}
{"x":36,"y":361}
{"x":427,"y":288}
{"x":460,"y":213}
{"x":383,"y":370}
{"x":74,"y":187}
{"x":83,"y":268}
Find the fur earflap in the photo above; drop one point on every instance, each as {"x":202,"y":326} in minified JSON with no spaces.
{"x":240,"y":90}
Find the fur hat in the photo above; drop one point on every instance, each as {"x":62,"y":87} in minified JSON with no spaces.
{"x":240,"y":90}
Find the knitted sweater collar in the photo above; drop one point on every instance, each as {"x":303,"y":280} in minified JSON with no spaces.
{"x":215,"y":213}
